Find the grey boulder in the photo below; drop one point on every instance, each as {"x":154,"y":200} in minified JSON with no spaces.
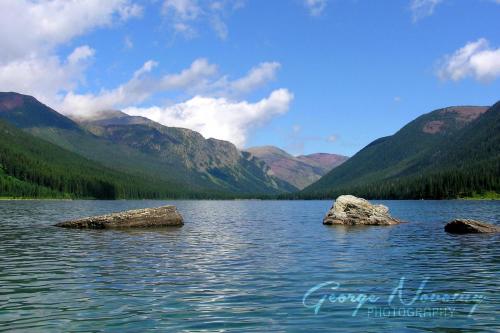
{"x":351,"y":210}
{"x":166,"y":216}
{"x":466,"y":226}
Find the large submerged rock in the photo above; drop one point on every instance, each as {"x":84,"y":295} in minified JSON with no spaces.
{"x":350,"y":210}
{"x":166,"y":216}
{"x":466,"y":226}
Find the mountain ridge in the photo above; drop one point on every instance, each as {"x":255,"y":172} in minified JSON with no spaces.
{"x":423,"y":153}
{"x":131,"y":148}
{"x":299,"y":171}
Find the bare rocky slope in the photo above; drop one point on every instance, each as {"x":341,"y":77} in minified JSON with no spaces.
{"x":300,"y":171}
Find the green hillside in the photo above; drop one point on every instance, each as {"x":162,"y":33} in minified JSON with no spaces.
{"x":448,"y":153}
{"x":34,"y":168}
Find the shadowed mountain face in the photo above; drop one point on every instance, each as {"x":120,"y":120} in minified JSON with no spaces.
{"x":438,"y":155}
{"x":299,"y":171}
{"x":140,"y":146}
{"x":25,"y":112}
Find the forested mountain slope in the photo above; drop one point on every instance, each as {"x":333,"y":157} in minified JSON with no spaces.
{"x":447,"y":153}
{"x":31,"y":167}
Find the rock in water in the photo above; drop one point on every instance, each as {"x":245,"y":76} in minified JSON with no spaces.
{"x":465,"y":226}
{"x":350,"y":210}
{"x":166,"y":216}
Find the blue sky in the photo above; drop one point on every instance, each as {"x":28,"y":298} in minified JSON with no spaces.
{"x":304,"y":75}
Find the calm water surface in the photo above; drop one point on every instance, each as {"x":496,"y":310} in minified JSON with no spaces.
{"x":243,"y":266}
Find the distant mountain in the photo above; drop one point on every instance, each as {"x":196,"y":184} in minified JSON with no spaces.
{"x":299,"y":171}
{"x":448,"y":153}
{"x":139,"y":146}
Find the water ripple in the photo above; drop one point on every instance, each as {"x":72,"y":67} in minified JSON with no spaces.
{"x":237,"y":266}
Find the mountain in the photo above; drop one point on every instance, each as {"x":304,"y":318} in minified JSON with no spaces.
{"x":34,"y":168}
{"x":25,"y":112}
{"x":299,"y":171}
{"x":217,"y":162}
{"x":447,"y":153}
{"x":139,"y":146}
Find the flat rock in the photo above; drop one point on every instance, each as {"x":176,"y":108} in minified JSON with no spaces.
{"x":166,"y":216}
{"x":466,"y":226}
{"x":350,"y":210}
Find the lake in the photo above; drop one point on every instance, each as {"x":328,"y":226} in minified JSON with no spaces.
{"x":248,"y":266}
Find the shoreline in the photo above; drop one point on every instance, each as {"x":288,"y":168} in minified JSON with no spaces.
{"x":239,"y":199}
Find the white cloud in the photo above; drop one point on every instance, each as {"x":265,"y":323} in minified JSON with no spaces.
{"x":29,"y":28}
{"x":423,"y":8}
{"x":186,"y":16}
{"x":80,"y":53}
{"x":201,"y":78}
{"x":139,"y":88}
{"x":315,"y":7}
{"x":45,"y":77}
{"x":219,"y":118}
{"x":256,"y":77}
{"x":476,"y":59}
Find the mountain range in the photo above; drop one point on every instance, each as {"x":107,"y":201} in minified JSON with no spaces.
{"x":300,"y":171}
{"x":181,"y":159}
{"x":448,"y":153}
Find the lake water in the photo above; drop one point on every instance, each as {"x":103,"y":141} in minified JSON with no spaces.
{"x":244,"y":266}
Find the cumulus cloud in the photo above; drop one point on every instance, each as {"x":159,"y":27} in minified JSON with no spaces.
{"x":476,"y":59}
{"x":219,"y":118}
{"x":45,"y":77}
{"x":257,"y":77}
{"x":139,"y":88}
{"x":185,"y":16}
{"x":423,"y":8}
{"x":315,"y":7}
{"x":31,"y":30}
{"x":51,"y":23}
